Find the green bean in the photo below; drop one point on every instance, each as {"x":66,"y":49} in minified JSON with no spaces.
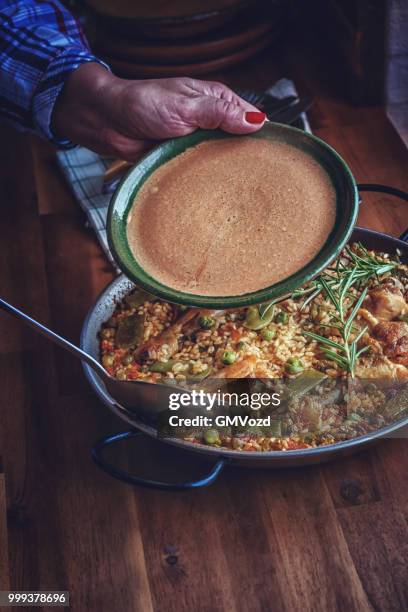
{"x":163,"y":366}
{"x":256,"y":320}
{"x":305,"y":382}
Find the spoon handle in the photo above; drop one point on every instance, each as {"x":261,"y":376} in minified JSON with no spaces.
{"x":65,"y":344}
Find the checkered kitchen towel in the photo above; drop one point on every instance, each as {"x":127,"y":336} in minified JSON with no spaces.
{"x":84,"y":171}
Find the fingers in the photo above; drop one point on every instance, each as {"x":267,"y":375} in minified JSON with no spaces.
{"x":220,"y":107}
{"x":219,"y":90}
{"x":132,"y":150}
{"x":117,"y":145}
{"x":210,"y":113}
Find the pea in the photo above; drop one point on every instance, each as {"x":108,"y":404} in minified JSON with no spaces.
{"x":206,"y":322}
{"x":282,"y":317}
{"x":211,"y":436}
{"x":294,"y":365}
{"x":403,"y":318}
{"x":268,"y":334}
{"x":241,"y":345}
{"x":228,"y":357}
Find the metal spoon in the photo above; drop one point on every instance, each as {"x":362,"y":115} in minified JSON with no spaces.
{"x":144,"y":398}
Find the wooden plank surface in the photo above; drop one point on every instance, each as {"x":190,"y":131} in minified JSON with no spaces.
{"x":323,"y":538}
{"x":4,"y":564}
{"x":4,"y":560}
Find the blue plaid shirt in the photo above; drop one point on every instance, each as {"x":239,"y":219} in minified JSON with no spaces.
{"x":40,"y":45}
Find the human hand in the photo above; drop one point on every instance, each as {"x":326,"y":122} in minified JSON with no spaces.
{"x":124,"y":118}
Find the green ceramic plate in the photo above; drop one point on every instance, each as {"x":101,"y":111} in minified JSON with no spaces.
{"x":122,"y":201}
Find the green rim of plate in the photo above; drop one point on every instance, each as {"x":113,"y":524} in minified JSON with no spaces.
{"x":346,"y":214}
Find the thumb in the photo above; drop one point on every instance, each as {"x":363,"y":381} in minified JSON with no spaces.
{"x":211,"y":113}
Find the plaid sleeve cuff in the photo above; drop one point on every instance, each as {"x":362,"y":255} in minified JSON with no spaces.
{"x":50,"y":86}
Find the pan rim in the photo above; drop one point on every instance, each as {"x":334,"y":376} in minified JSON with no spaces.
{"x":259,"y":456}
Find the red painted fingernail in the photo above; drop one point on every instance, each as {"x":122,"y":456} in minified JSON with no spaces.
{"x":254,"y":117}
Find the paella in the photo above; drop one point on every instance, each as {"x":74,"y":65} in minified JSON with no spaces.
{"x":336,"y":350}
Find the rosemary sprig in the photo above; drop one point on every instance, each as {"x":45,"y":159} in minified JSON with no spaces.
{"x":364,"y":267}
{"x":336,"y":287}
{"x":345,"y":353}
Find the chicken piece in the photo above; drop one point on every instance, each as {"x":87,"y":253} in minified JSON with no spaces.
{"x":239,"y":369}
{"x":393,"y":336}
{"x":386,"y":370}
{"x":169,"y":336}
{"x":262,"y":370}
{"x":386,"y":302}
{"x":368,"y":317}
{"x":186,"y":323}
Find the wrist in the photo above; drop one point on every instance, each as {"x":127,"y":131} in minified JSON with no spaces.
{"x":80,"y":108}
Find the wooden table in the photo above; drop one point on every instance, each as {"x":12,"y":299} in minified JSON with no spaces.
{"x":324,"y":538}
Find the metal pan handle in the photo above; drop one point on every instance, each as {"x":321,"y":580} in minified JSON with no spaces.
{"x":97,"y":455}
{"x":403,"y":195}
